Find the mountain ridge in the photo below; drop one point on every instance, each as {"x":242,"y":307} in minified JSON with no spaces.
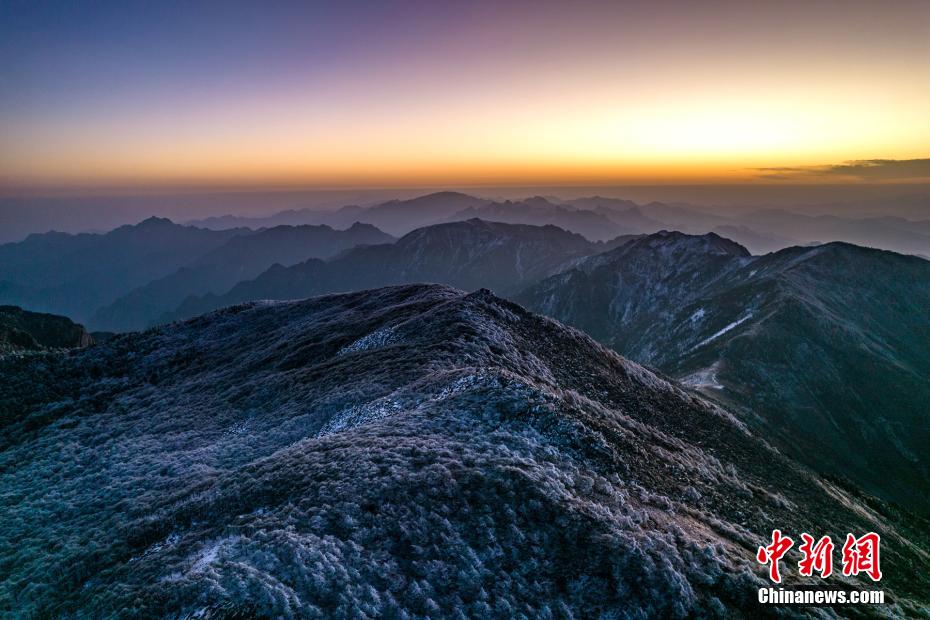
{"x":468,"y":254}
{"x":75,"y":274}
{"x":818,"y":346}
{"x":409,"y":450}
{"x":240,"y":258}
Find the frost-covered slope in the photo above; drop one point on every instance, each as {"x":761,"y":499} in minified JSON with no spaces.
{"x":823,"y":348}
{"x":407,"y":452}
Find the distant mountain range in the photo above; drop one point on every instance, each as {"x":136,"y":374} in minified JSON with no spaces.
{"x":411,"y":451}
{"x":599,"y":219}
{"x":241,"y":258}
{"x":396,"y":217}
{"x":75,"y":274}
{"x":468,"y":255}
{"x":603,"y":224}
{"x":127,"y":277}
{"x":823,"y":347}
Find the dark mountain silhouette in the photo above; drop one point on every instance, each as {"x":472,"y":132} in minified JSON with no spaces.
{"x":625,"y":213}
{"x":468,"y":255}
{"x":406,"y":452}
{"x":633,"y":220}
{"x":597,"y":219}
{"x":596,"y":226}
{"x":74,"y":275}
{"x":762,"y":230}
{"x":21,"y":330}
{"x":340,"y":218}
{"x":599,"y":203}
{"x":241,"y":258}
{"x":823,"y":349}
{"x":397,"y":217}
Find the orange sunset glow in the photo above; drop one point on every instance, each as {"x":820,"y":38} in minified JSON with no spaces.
{"x":467,"y":94}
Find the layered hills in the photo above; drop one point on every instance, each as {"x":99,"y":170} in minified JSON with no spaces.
{"x":241,"y":258}
{"x":468,"y":255}
{"x":126,"y":278}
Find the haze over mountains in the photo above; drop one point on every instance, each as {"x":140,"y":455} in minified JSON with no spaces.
{"x":79,"y":275}
{"x":410,"y":451}
{"x":241,"y":258}
{"x":264,"y":208}
{"x":468,"y":255}
{"x":598,"y":218}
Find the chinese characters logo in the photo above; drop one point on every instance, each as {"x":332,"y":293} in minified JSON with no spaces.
{"x":860,"y":555}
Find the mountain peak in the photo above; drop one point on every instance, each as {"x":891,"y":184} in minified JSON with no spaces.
{"x":709,"y":243}
{"x":537,"y":201}
{"x":441,"y":197}
{"x":154,"y":221}
{"x":362,"y":227}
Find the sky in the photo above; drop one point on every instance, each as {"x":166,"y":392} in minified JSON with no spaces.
{"x":398,"y":94}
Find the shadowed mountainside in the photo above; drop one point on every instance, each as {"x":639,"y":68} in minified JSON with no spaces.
{"x":76,"y":274}
{"x":21,"y":330}
{"x":410,"y":451}
{"x":241,"y":258}
{"x":823,"y":348}
{"x":468,"y":255}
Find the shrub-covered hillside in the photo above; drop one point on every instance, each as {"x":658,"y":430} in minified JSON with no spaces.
{"x":21,"y":330}
{"x":406,"y":452}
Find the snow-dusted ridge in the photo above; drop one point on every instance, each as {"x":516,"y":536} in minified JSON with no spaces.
{"x":489,"y":462}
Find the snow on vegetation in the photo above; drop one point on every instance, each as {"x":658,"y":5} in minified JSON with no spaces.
{"x":490,"y":464}
{"x":374,"y":340}
{"x":211,"y":552}
{"x":706,"y":378}
{"x":724,"y":330}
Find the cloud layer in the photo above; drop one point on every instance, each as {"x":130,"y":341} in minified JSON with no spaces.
{"x":858,"y":170}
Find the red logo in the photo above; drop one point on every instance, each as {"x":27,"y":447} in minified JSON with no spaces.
{"x":817,"y":557}
{"x":773,"y":553}
{"x":860,"y":555}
